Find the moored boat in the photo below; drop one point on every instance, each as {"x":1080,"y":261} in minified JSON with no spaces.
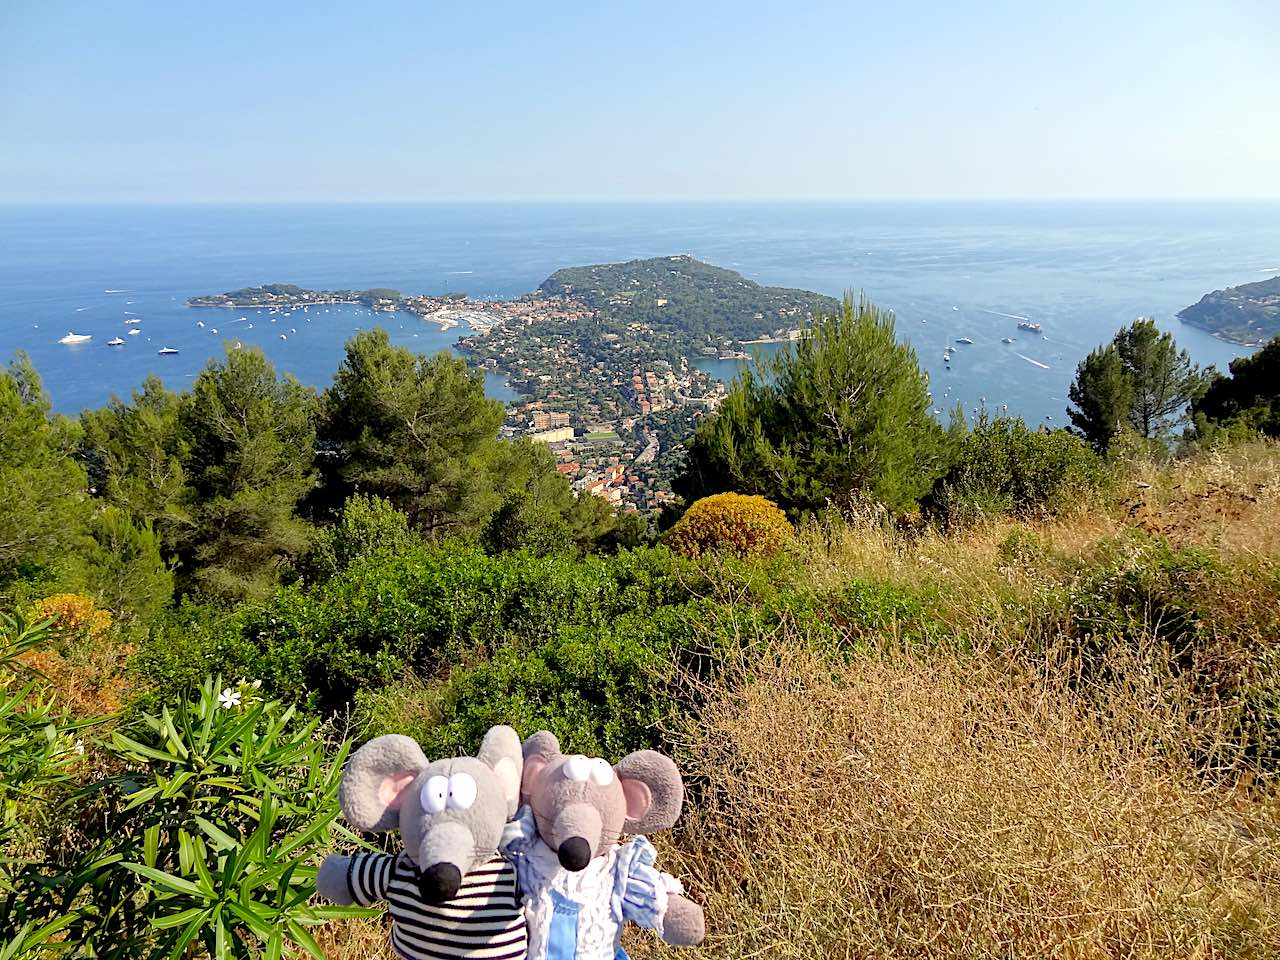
{"x":166,"y":351}
{"x":116,"y":342}
{"x":75,"y":337}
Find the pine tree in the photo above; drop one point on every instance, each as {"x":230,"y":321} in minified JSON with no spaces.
{"x":1140,"y":381}
{"x":249,"y":442}
{"x":1103,"y":396}
{"x":842,"y":413}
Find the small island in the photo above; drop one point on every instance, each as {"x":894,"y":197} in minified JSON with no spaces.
{"x":1248,"y":314}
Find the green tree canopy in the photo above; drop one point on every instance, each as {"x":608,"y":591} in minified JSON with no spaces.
{"x":135,"y":458}
{"x":843,"y":412}
{"x":1141,"y":381}
{"x":413,"y":429}
{"x":249,"y":442}
{"x":1102,"y":394}
{"x":45,"y":506}
{"x":1250,"y":396}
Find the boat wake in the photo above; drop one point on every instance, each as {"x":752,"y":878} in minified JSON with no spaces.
{"x":1011,"y":316}
{"x":1035,"y":363}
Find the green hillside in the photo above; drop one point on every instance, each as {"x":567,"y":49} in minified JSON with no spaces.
{"x":1249,"y":313}
{"x":688,"y":295}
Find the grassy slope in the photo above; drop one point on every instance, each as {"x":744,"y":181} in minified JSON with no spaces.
{"x":984,"y":796}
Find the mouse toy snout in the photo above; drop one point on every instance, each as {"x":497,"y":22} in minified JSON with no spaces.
{"x":574,"y":853}
{"x":439,"y":883}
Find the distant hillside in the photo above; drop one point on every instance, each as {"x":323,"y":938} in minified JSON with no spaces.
{"x":687,"y":295}
{"x":1248,"y":314}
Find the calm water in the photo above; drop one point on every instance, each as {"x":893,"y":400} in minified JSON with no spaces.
{"x":950,"y":270}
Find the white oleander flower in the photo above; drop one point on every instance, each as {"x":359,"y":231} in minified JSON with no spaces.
{"x":229,"y":698}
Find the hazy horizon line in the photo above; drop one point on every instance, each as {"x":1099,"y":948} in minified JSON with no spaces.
{"x":627,"y":201}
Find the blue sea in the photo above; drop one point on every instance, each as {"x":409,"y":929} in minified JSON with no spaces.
{"x":947,"y":270}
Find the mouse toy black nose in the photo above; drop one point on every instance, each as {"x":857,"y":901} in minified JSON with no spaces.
{"x":439,"y":882}
{"x":574,"y":853}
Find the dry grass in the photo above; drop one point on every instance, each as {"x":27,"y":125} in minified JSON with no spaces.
{"x":900,"y":807}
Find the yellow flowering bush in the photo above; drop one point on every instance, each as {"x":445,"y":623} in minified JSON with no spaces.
{"x":74,"y":616}
{"x":745,"y":526}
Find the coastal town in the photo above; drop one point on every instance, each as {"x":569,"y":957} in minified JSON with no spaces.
{"x":606,"y":377}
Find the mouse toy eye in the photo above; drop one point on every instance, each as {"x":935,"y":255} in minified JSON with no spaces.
{"x":462,"y":791}
{"x":577,"y":768}
{"x":601,"y":772}
{"x":434,"y":794}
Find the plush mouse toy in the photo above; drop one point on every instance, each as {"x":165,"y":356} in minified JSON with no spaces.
{"x":580,"y":885}
{"x":450,"y":894}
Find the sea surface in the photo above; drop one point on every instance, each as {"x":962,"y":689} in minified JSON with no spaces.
{"x":947,"y":270}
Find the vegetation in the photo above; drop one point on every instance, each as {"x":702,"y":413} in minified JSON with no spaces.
{"x":1003,"y":467}
{"x":1139,"y":382}
{"x":1249,"y":313}
{"x":699,"y":300}
{"x":732,"y":523}
{"x":1248,"y":399}
{"x":1044,"y":683}
{"x":839,"y":415}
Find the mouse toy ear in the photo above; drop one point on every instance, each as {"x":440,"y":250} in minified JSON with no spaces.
{"x":540,"y":751}
{"x":501,"y":751}
{"x":654,"y":791}
{"x":376,"y":780}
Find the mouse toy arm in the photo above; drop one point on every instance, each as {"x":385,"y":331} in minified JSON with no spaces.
{"x":655,"y":900}
{"x":683,"y":925}
{"x":362,"y":879}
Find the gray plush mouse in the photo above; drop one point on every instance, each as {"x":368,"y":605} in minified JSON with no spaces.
{"x":449,"y":893}
{"x":579,"y":883}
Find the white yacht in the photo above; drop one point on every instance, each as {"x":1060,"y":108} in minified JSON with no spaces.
{"x":133,"y":320}
{"x":134,"y":332}
{"x":75,"y":337}
{"x":116,"y":342}
{"x":166,"y":351}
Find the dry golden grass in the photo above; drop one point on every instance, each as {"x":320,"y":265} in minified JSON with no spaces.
{"x":902,"y":807}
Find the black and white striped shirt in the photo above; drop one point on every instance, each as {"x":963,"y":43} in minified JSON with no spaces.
{"x":485,"y":921}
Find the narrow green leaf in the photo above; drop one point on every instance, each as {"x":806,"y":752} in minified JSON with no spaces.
{"x":166,"y":880}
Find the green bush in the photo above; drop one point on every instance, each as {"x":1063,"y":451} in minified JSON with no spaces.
{"x":37,"y":742}
{"x":369,"y":526}
{"x":1004,"y":467}
{"x":205,"y":835}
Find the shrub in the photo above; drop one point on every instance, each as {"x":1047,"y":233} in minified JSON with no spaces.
{"x":521,"y":523}
{"x":74,"y":617}
{"x":1021,"y":547}
{"x":83,"y":663}
{"x":744,"y":526}
{"x":1141,"y":606}
{"x":1004,"y":467}
{"x":369,"y":526}
{"x":204,"y":837}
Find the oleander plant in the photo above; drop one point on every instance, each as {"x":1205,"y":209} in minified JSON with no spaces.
{"x":190,"y":831}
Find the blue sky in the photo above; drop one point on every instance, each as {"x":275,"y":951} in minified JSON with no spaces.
{"x":283,"y":101}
